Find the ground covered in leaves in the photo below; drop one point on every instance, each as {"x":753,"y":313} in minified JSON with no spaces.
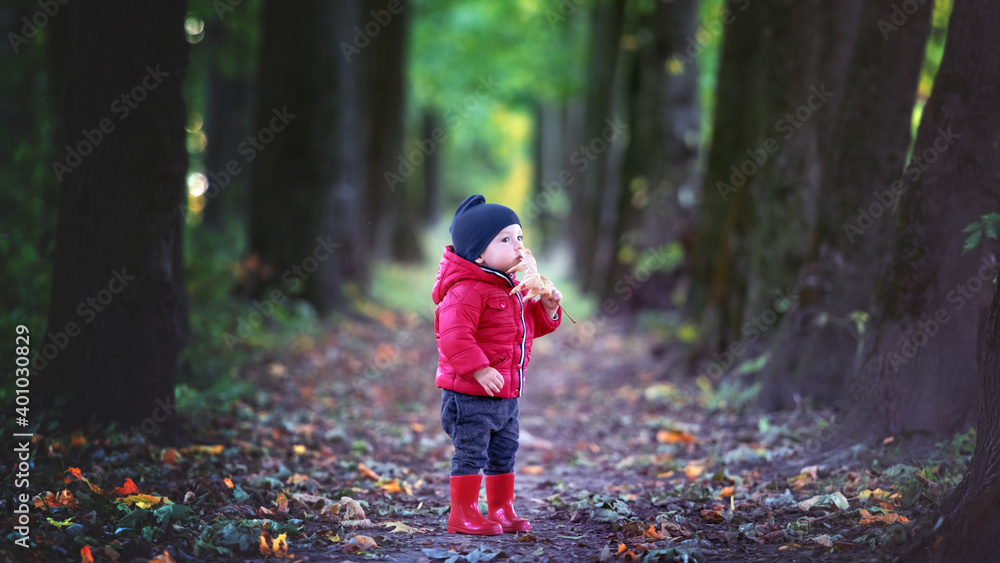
{"x":332,"y":449}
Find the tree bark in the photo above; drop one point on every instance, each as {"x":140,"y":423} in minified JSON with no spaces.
{"x":917,"y":370}
{"x":725,"y":219}
{"x":660,"y":157}
{"x":592,"y":156}
{"x":227,"y":123}
{"x":817,"y":341}
{"x":393,"y":227}
{"x":306,"y":233}
{"x":118,"y":313}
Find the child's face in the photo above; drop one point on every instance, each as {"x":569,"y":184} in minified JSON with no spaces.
{"x":505,"y":250}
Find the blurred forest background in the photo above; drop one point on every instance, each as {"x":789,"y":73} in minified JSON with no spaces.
{"x":796,"y":197}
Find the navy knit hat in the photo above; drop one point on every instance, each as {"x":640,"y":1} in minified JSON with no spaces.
{"x":476,"y":223}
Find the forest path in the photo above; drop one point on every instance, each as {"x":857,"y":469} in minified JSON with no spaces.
{"x":339,"y":445}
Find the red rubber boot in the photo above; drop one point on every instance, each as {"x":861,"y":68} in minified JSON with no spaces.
{"x":465,"y":517}
{"x":499,"y":499}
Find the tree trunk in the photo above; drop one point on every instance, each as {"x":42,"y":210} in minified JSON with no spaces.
{"x":227,"y":123}
{"x":785,"y":157}
{"x":661,"y":155}
{"x":917,"y":370}
{"x":118,"y":314}
{"x":591,"y":158}
{"x":817,"y":341}
{"x":719,"y":265}
{"x":306,"y":232}
{"x":393,"y":227}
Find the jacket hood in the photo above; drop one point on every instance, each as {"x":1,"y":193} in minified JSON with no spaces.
{"x":453,"y":269}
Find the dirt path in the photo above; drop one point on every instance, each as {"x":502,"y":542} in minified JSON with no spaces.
{"x":339,"y":446}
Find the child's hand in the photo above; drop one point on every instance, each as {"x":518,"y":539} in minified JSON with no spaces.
{"x":551,"y":302}
{"x":490,"y":379}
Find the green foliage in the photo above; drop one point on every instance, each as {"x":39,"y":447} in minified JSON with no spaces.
{"x":986,"y":226}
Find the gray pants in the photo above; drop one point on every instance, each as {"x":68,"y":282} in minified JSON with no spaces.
{"x":484,"y":431}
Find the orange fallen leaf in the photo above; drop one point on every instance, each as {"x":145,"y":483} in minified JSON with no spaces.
{"x":693,"y":470}
{"x":727,"y":491}
{"x":229,"y":483}
{"x":366,"y":472}
{"x":282,"y":503}
{"x":277,"y":547}
{"x":673,"y":436}
{"x":165,"y":557}
{"x":73,"y":472}
{"x":621,"y":549}
{"x":128,"y":488}
{"x":417,"y":427}
{"x":85,"y":556}
{"x":888,"y":518}
{"x":532,"y":470}
{"x":651,"y":532}
{"x":170,"y":456}
{"x":77,"y":439}
{"x":48,"y":499}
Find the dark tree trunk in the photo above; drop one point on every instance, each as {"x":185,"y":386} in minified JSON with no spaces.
{"x":590,"y":159}
{"x":118,"y":314}
{"x":917,"y":370}
{"x":785,"y":158}
{"x":719,"y":265}
{"x":816,"y":343}
{"x":660,"y":158}
{"x":392,"y":225}
{"x":227,"y":124}
{"x":306,"y":228}
{"x":549,"y":159}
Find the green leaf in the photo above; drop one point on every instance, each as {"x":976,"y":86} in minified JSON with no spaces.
{"x":972,"y":241}
{"x":239,"y":495}
{"x":62,"y":524}
{"x":173,"y":513}
{"x":975,"y":226}
{"x":135,"y":519}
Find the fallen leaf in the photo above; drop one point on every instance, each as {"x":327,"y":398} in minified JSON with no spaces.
{"x":77,"y":439}
{"x":727,"y":491}
{"x":395,"y":486}
{"x":48,"y":499}
{"x":400,"y":527}
{"x":417,"y":427}
{"x":888,"y":518}
{"x":277,"y":547}
{"x":693,"y":469}
{"x":128,"y":488}
{"x":299,"y":449}
{"x":359,"y":543}
{"x":366,"y":472}
{"x":170,"y":456}
{"x":165,"y":557}
{"x":888,"y":440}
{"x":824,"y":540}
{"x":532,"y":470}
{"x":211,"y":450}
{"x":144,"y":501}
{"x":836,"y":499}
{"x":673,"y":436}
{"x":85,"y":556}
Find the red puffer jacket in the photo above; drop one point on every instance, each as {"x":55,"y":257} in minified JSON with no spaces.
{"x":478,"y":324}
